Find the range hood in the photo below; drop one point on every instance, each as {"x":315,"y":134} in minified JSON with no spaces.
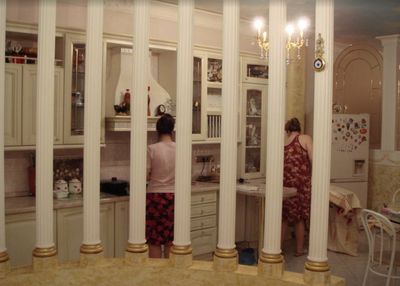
{"x":122,"y":76}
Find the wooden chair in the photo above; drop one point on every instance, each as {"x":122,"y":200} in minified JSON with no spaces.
{"x":381,"y":236}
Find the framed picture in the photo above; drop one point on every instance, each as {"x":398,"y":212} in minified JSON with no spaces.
{"x":214,"y":70}
{"x":257,"y":71}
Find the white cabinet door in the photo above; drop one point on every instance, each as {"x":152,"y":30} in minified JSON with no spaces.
{"x":12,"y":104}
{"x":29,"y":105}
{"x":21,"y":237}
{"x":121,"y":227}
{"x":254,"y":125}
{"x":70,"y":231}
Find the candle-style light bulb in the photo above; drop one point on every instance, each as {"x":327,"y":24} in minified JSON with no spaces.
{"x":303,"y":24}
{"x":289,"y":30}
{"x":258,"y":24}
{"x":265,"y":36}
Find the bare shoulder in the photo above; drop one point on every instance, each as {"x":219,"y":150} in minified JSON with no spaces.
{"x":305,"y":140}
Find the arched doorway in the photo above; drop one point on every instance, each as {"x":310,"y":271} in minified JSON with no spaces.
{"x":358,"y":86}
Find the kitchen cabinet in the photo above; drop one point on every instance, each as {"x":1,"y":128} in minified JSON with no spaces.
{"x":29,"y":105}
{"x":74,"y":99}
{"x":20,"y":99}
{"x":121,"y":228}
{"x":12,"y":103}
{"x":204,"y":222}
{"x":254,"y":113}
{"x":70,"y":231}
{"x":21,"y":237}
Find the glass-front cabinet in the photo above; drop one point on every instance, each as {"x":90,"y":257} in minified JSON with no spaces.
{"x":198,"y":126}
{"x":254,"y":107}
{"x":74,"y":102}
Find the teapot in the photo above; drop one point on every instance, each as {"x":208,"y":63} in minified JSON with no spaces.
{"x":75,"y":186}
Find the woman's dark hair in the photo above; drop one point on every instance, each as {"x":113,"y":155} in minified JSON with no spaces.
{"x":165,"y":125}
{"x":293,"y":125}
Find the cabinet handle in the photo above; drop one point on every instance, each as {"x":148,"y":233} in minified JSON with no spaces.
{"x":202,"y":199}
{"x":201,"y":212}
{"x":202,"y":224}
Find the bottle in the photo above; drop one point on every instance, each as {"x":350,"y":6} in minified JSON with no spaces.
{"x":148,"y":101}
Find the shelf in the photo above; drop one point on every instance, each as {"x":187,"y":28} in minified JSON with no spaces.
{"x":214,"y":84}
{"x":253,"y":116}
{"x":253,"y":147}
{"x":123,"y":123}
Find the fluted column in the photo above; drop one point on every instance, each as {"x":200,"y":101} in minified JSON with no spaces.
{"x":230,"y":92}
{"x":3,"y":250}
{"x":323,"y":81}
{"x":45,"y":130}
{"x":183,"y":165}
{"x":391,"y":61}
{"x":271,"y":260}
{"x":91,"y":243}
{"x":137,"y":202}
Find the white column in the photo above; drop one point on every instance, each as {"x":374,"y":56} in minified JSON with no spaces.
{"x":45,"y":129}
{"x":3,"y":250}
{"x":183,"y":165}
{"x":391,"y":61}
{"x":137,"y":203}
{"x":275,"y":130}
{"x":230,"y":93}
{"x":324,"y":25}
{"x":91,"y":243}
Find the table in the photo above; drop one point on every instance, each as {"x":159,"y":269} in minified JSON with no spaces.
{"x":343,"y":224}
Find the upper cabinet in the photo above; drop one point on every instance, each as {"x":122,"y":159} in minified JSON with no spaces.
{"x":254,"y":111}
{"x":29,"y":105}
{"x":69,"y":90}
{"x":74,"y":100}
{"x":12,"y":104}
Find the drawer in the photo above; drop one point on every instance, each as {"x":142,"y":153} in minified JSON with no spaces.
{"x":204,"y":222}
{"x":206,"y":197}
{"x":204,"y":210}
{"x":204,"y":241}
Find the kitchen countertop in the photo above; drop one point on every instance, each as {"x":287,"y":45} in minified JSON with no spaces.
{"x":16,"y":205}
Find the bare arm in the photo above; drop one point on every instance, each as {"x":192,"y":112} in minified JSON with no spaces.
{"x":309,"y":147}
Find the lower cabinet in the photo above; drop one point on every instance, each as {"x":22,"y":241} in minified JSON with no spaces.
{"x":70,"y":231}
{"x":204,"y":222}
{"x":114,"y":230}
{"x":21,"y":237}
{"x":121,"y":228}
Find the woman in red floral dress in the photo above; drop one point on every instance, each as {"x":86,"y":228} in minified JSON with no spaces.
{"x":297,"y":174}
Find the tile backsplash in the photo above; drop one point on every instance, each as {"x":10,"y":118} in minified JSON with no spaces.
{"x":115,"y":161}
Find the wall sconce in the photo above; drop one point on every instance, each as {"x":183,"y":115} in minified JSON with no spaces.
{"x":295,"y":37}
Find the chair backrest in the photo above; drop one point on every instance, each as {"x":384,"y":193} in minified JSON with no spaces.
{"x":381,"y":236}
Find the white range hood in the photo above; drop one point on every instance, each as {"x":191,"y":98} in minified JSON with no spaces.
{"x":122,"y":78}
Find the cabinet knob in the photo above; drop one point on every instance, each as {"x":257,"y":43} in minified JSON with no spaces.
{"x":201,"y":212}
{"x":202,"y":199}
{"x":202,"y":224}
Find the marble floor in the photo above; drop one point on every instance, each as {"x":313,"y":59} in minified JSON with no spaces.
{"x":342,"y":265}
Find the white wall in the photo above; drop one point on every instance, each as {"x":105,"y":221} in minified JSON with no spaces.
{"x":118,"y":19}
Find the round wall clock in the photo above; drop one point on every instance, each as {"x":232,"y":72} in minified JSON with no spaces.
{"x":319,"y":64}
{"x":161,"y":109}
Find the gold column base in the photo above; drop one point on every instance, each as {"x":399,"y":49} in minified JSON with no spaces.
{"x":316,"y":266}
{"x":137,"y":247}
{"x":181,"y":256}
{"x":91,"y":248}
{"x":226,"y":253}
{"x":271,"y":258}
{"x":4,"y":257}
{"x":44,"y":252}
{"x":181,"y":249}
{"x":270,"y":265}
{"x":225,"y":260}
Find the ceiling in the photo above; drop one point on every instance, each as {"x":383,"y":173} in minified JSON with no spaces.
{"x":355,"y":20}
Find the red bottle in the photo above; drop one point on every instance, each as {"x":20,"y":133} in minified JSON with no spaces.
{"x":148,"y":101}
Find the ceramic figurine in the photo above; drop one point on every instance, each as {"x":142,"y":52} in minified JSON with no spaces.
{"x":75,"y":186}
{"x":61,"y":186}
{"x":252,"y":106}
